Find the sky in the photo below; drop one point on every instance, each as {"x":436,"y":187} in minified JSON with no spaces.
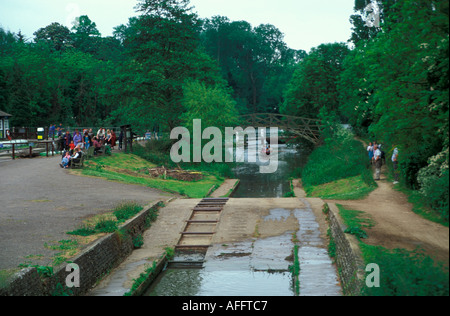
{"x":305,"y":23}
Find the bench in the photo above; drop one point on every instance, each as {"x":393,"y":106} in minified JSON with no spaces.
{"x":77,"y":163}
{"x":90,"y":152}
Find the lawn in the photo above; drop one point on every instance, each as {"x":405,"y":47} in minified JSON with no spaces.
{"x":126,"y":168}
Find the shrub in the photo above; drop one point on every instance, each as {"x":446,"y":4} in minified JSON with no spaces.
{"x":434,"y":182}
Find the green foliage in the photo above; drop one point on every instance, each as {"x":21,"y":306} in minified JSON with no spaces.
{"x":434,"y":184}
{"x":138,"y":241}
{"x":45,"y":271}
{"x":313,"y":86}
{"x":340,"y":157}
{"x":357,"y":231}
{"x":405,"y":273}
{"x":106,"y":226}
{"x":255,"y":61}
{"x":84,"y":231}
{"x":61,"y":290}
{"x":214,"y":106}
{"x":126,"y":211}
{"x":394,"y":88}
{"x":355,"y":221}
{"x":295,"y":270}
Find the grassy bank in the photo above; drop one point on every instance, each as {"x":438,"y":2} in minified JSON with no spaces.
{"x":402,"y":272}
{"x":128,"y":168}
{"x":339,"y":169}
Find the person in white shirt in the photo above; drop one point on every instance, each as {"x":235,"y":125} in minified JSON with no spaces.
{"x":378,"y":162}
{"x":395,"y":163}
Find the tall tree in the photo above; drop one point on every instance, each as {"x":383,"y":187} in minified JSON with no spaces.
{"x":55,"y":35}
{"x":85,"y":34}
{"x":314,"y":84}
{"x":163,"y":47}
{"x":255,"y":61}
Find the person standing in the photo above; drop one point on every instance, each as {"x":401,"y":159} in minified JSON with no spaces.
{"x":120,"y":140}
{"x":395,"y":163}
{"x":378,"y":162}
{"x":370,"y":151}
{"x":87,"y":140}
{"x":67,"y":140}
{"x":77,"y":138}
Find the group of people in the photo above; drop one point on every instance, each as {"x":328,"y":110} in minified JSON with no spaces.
{"x":378,"y":157}
{"x":72,"y":145}
{"x":87,"y":138}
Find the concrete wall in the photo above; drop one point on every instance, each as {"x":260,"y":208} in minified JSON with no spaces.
{"x":348,"y":255}
{"x":95,"y":262}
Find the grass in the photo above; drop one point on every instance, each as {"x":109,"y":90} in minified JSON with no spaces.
{"x":353,"y":188}
{"x":123,"y":167}
{"x":420,"y":205}
{"x":406,"y":273}
{"x":295,"y":270}
{"x":402,"y":272}
{"x":339,"y":170}
{"x":109,"y":222}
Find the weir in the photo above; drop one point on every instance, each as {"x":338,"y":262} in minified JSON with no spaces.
{"x":243,"y":246}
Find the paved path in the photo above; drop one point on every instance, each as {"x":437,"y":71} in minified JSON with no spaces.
{"x":40,"y":202}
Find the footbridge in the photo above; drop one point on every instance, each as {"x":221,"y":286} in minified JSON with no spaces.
{"x":306,"y":128}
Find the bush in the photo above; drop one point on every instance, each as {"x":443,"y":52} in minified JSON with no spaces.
{"x":434,"y":183}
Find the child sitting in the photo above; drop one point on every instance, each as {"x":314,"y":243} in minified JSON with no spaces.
{"x":65,"y":161}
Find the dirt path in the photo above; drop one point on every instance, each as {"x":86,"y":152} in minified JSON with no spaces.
{"x":396,"y":225}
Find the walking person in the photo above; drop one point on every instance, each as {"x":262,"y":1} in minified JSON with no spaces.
{"x":377,"y":161}
{"x":395,"y":163}
{"x":370,"y":151}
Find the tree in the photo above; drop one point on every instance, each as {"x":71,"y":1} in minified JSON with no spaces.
{"x":163,"y":47}
{"x":55,"y":35}
{"x":213,"y":105}
{"x":314,"y":83}
{"x":255,"y":61}
{"x":85,"y":35}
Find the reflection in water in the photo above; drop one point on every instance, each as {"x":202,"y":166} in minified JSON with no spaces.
{"x":193,"y":282}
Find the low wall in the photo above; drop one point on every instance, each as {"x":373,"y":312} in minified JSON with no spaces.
{"x":94,"y":262}
{"x":348,"y":255}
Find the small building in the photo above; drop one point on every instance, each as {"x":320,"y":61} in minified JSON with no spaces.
{"x":4,"y":123}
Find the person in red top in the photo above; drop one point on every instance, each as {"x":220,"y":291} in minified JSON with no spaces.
{"x":72,"y":146}
{"x":8,"y":134}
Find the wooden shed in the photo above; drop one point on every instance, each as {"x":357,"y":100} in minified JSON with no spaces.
{"x":4,"y":123}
